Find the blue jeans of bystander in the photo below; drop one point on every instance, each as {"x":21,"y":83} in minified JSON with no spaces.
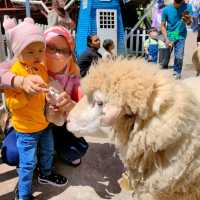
{"x":179,"y":46}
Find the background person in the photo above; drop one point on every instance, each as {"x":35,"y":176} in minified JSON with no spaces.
{"x":90,"y":55}
{"x":173,"y":26}
{"x":108,"y":46}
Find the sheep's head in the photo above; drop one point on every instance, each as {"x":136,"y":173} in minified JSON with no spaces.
{"x":91,"y":113}
{"x":118,"y":94}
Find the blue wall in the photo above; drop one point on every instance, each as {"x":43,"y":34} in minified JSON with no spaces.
{"x":87,"y":24}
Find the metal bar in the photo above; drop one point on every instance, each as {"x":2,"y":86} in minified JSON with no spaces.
{"x":69,"y":4}
{"x":141,"y":19}
{"x":28,"y":10}
{"x":137,"y":42}
{"x":5,"y":3}
{"x":143,"y":40}
{"x":131,"y":43}
{"x":34,"y":2}
{"x":2,"y":47}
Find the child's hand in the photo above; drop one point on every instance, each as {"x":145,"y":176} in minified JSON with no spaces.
{"x":33,"y":84}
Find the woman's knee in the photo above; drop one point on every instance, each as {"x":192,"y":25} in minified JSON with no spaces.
{"x":9,"y":151}
{"x":10,"y":156}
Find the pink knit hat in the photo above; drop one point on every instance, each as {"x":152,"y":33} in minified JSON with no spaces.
{"x":59,"y":30}
{"x":23,"y":34}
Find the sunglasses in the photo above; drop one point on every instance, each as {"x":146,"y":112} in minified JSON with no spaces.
{"x":53,"y":50}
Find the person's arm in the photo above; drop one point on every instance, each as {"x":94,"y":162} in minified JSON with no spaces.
{"x":146,"y":44}
{"x":6,"y":77}
{"x":163,"y":24}
{"x":164,"y":29}
{"x":31,"y":84}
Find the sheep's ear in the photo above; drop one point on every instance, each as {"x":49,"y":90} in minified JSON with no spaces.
{"x":111,"y":113}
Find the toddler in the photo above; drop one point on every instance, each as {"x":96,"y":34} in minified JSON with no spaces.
{"x":152,"y":46}
{"x":27,"y":111}
{"x":108,"y":46}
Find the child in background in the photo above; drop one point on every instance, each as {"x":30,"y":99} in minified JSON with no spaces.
{"x":152,"y":46}
{"x":27,"y":111}
{"x":108,"y":46}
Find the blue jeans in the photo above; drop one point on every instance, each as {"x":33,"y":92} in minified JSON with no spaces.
{"x":179,"y":46}
{"x":153,"y":52}
{"x":27,"y":144}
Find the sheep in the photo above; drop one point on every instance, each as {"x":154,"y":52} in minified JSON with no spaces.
{"x":156,"y":126}
{"x":196,"y":60}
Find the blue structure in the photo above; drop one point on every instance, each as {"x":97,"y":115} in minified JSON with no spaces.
{"x":101,"y":17}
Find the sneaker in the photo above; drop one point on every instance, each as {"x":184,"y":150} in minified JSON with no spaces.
{"x":30,"y":198}
{"x":177,"y":76}
{"x":53,"y":179}
{"x":17,"y":194}
{"x":75,"y":163}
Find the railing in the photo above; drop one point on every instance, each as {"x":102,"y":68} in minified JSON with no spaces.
{"x":135,"y":42}
{"x":134,"y":37}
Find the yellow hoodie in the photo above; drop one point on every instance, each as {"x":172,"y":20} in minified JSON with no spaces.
{"x":27,"y":112}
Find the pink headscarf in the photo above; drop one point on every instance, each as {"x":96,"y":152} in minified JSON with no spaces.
{"x":54,"y":31}
{"x":59,"y":30}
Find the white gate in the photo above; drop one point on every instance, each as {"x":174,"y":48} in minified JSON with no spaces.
{"x":107,"y":26}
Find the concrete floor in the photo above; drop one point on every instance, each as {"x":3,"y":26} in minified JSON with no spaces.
{"x":96,"y":178}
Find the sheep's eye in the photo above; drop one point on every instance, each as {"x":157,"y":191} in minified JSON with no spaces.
{"x":100,"y":103}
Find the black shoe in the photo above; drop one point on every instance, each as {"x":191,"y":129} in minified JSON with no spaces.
{"x":30,"y":198}
{"x":17,"y":196}
{"x":53,"y":179}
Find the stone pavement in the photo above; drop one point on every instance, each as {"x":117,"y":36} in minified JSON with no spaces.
{"x":96,"y":178}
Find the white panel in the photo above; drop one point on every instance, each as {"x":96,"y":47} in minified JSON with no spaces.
{"x":107,"y":26}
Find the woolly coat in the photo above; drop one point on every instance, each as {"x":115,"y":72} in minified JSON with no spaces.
{"x":159,"y":138}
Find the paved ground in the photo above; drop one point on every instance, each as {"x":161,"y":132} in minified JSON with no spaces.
{"x":96,"y":178}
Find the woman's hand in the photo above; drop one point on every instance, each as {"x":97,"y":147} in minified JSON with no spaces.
{"x":31,"y":84}
{"x":64,"y":102}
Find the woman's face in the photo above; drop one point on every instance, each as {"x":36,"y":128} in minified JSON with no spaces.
{"x":57,"y":54}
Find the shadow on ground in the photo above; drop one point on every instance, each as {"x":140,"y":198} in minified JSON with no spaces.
{"x":100,"y":170}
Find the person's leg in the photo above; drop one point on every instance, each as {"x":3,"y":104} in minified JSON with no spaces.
{"x":178,"y":56}
{"x":27,"y":147}
{"x":198,"y":36}
{"x":46,"y":153}
{"x":68,"y":147}
{"x":9,"y":151}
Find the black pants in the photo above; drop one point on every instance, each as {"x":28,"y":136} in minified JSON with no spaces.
{"x":67,"y":146}
{"x":198,"y":34}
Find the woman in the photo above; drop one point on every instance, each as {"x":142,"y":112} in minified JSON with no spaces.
{"x":60,"y":63}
